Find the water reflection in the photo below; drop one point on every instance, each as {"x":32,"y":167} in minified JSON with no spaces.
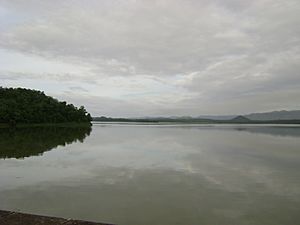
{"x":163,"y":175}
{"x":273,"y":130}
{"x":24,"y":142}
{"x":288,"y":130}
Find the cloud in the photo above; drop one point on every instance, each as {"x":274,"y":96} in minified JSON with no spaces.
{"x":209,"y":51}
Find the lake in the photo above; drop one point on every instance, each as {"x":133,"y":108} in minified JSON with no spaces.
{"x":136,"y":174}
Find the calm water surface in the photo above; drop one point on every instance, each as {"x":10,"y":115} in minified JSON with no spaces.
{"x":154,"y":175}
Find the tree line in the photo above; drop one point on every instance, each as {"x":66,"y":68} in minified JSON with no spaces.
{"x":20,"y":105}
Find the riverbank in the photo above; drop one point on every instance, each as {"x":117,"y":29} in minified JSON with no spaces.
{"x":71,"y":124}
{"x":16,"y":218}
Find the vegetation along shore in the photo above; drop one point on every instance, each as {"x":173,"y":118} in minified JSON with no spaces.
{"x":26,"y":107}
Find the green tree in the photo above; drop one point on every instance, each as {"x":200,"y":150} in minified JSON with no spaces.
{"x":20,"y":105}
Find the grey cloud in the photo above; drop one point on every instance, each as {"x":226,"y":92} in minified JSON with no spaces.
{"x":222,"y":52}
{"x":154,"y":38}
{"x":105,"y":105}
{"x":165,"y":38}
{"x":64,"y":77}
{"x":78,"y":89}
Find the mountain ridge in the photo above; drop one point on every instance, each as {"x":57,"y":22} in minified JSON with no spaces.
{"x":275,"y":115}
{"x":262,"y":116}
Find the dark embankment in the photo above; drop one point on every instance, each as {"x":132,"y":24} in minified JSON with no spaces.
{"x":17,"y":218}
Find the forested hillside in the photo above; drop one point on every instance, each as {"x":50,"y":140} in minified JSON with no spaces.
{"x":19,"y":105}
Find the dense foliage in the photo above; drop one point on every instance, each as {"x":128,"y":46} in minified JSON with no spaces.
{"x":19,"y":105}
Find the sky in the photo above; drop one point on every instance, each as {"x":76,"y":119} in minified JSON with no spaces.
{"x":135,"y":58}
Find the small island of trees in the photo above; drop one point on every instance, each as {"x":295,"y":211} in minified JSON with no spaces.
{"x":26,"y":106}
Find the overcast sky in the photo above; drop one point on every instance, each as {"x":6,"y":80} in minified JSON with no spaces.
{"x":155,"y":58}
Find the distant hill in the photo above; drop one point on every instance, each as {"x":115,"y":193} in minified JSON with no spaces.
{"x":20,"y":105}
{"x":275,"y":115}
{"x":217,"y":117}
{"x":240,"y":119}
{"x":266,"y":116}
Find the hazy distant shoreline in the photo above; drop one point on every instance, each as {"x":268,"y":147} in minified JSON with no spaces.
{"x":193,"y":121}
{"x":167,"y":124}
{"x":274,"y":117}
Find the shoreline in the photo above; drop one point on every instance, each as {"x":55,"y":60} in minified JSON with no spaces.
{"x":18,"y":218}
{"x":271,"y":122}
{"x":296,"y":125}
{"x":69,"y":124}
